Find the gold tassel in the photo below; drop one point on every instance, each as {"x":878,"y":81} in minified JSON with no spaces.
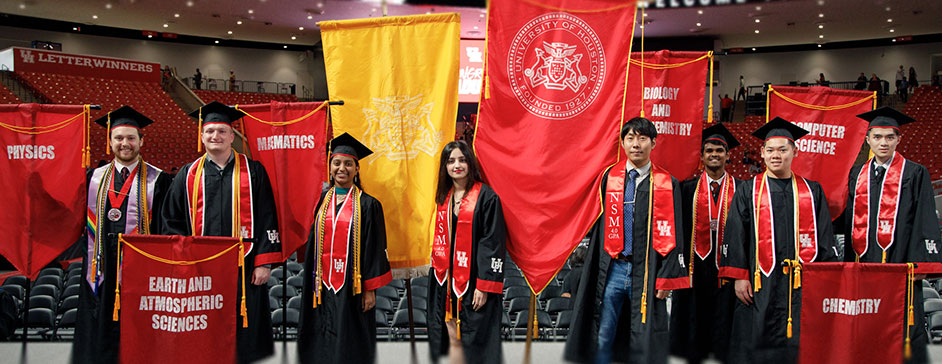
{"x":244,"y":311}
{"x":199,"y":131}
{"x":758,"y":282}
{"x":768,"y":96}
{"x":907,"y":350}
{"x":710,"y":112}
{"x":458,"y":319}
{"x":108,"y":136}
{"x":789,"y":333}
{"x":644,"y":307}
{"x":533,"y":316}
{"x":117,"y":284}
{"x":797,"y":277}
{"x":911,"y":321}
{"x":884,"y":257}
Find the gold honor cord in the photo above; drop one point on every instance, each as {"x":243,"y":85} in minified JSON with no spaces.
{"x":768,"y":96}
{"x":647,"y":251}
{"x":122,"y":242}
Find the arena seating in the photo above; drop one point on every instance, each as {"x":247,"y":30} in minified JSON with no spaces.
{"x":169,"y":143}
{"x":921,"y":138}
{"x":7,"y":96}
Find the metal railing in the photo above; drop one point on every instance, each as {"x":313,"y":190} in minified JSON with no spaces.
{"x":220,"y":84}
{"x":21,"y":88}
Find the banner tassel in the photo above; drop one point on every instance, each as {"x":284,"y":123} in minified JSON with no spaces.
{"x":907,"y":348}
{"x":797,"y":277}
{"x":710,"y":112}
{"x":758,"y":282}
{"x":199,"y":130}
{"x":117,"y":285}
{"x":108,"y":136}
{"x":458,"y":319}
{"x":243,"y":310}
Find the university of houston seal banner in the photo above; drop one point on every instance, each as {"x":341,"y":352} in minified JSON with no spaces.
{"x":549,"y":118}
{"x":178,"y":299}
{"x":398,"y":79}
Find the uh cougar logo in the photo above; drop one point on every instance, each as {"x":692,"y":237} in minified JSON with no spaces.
{"x":556,"y":66}
{"x":28,"y":56}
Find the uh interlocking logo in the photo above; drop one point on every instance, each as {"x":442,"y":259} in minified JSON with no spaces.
{"x":400,"y":127}
{"x":27,"y":56}
{"x":338,"y":265}
{"x":497,"y":265}
{"x":931,"y":247}
{"x":805,"y":240}
{"x":556,"y":66}
{"x":462,"y":258}
{"x":664,"y":228}
{"x":885,"y":226}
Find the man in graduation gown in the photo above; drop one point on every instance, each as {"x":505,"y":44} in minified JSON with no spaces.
{"x":633,"y":262}
{"x":701,"y":318}
{"x":759,"y":240}
{"x":223,"y":180}
{"x":123,"y":197}
{"x":890,"y":214}
{"x":345,"y":262}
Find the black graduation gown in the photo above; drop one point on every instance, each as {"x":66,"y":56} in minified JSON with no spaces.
{"x":96,"y":335}
{"x":635,"y":342}
{"x":759,"y":330}
{"x":480,"y":330}
{"x":915,"y":224}
{"x":338,"y":331}
{"x":701,"y":317}
{"x":254,"y":342}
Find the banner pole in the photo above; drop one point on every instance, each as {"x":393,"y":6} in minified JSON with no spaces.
{"x":284,"y":305}
{"x":411,"y":321}
{"x":26,"y":310}
{"x":530,"y":329}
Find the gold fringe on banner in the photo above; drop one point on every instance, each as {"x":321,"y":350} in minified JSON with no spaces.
{"x":243,"y":310}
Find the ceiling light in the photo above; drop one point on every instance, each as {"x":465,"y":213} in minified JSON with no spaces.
{"x":300,"y":28}
{"x":189,"y":3}
{"x":475,"y":27}
{"x":820,"y":15}
{"x":217,"y":42}
{"x":758,"y":8}
{"x":320,"y":5}
{"x":166,"y":25}
{"x":251,"y":11}
{"x":309,"y":17}
{"x":108,"y":6}
{"x":698,"y":24}
{"x":482,"y":15}
{"x":229,"y":32}
{"x":150,"y":36}
{"x":75,"y":28}
{"x":94,"y":16}
{"x":819,"y":46}
{"x":753,"y":49}
{"x":176,"y":15}
{"x":820,"y":26}
{"x":892,"y":30}
{"x":889,"y":20}
{"x":894,"y":40}
{"x":757,"y":20}
{"x":699,"y":12}
{"x":820,"y":36}
{"x":645,"y":15}
{"x":286,"y":47}
{"x":887,"y":8}
{"x":239,"y":22}
{"x":757,"y":31}
{"x":820,"y":2}
{"x":293,"y":37}
{"x":22,"y":6}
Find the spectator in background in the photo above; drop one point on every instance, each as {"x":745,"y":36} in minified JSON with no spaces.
{"x":913,"y":82}
{"x":861,"y":82}
{"x":876,"y":85}
{"x":198,"y":79}
{"x":821,"y":81}
{"x":742,"y":88}
{"x":571,"y":283}
{"x":900,"y":80}
{"x":232,"y":81}
{"x":935,"y":82}
{"x":726,"y":108}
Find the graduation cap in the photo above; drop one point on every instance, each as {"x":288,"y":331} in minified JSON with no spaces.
{"x":347,"y":145}
{"x":779,"y":128}
{"x":719,"y":134}
{"x":886,"y":117}
{"x":122,"y":116}
{"x":216,"y":112}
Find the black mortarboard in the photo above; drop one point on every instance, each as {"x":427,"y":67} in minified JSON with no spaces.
{"x":124,"y":116}
{"x":346,"y":144}
{"x":886,"y":117}
{"x":779,"y":128}
{"x":718,"y":134}
{"x":217,"y":112}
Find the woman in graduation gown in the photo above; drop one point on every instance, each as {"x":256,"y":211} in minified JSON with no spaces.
{"x":465,"y":305}
{"x":345,"y":263}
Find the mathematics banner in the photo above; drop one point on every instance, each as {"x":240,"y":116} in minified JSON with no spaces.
{"x":828,"y":152}
{"x":852,"y":312}
{"x":290,"y":140}
{"x":42,"y":182}
{"x":549,"y":120}
{"x":673,"y":96}
{"x":178,"y":299}
{"x":398,"y":79}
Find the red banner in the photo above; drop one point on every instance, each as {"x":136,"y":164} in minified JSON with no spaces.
{"x":178,"y":299}
{"x":290,"y":140}
{"x":549,"y":120}
{"x":859,"y":305}
{"x":673,"y":96}
{"x":36,"y":60}
{"x":43,"y":183}
{"x":836,"y":133}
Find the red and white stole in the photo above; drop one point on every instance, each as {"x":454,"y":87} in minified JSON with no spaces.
{"x":715,"y":217}
{"x":806,"y":236}
{"x":242,"y":215}
{"x":441,"y":245}
{"x":660,"y":210}
{"x":335,"y":236}
{"x":886,"y":212}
